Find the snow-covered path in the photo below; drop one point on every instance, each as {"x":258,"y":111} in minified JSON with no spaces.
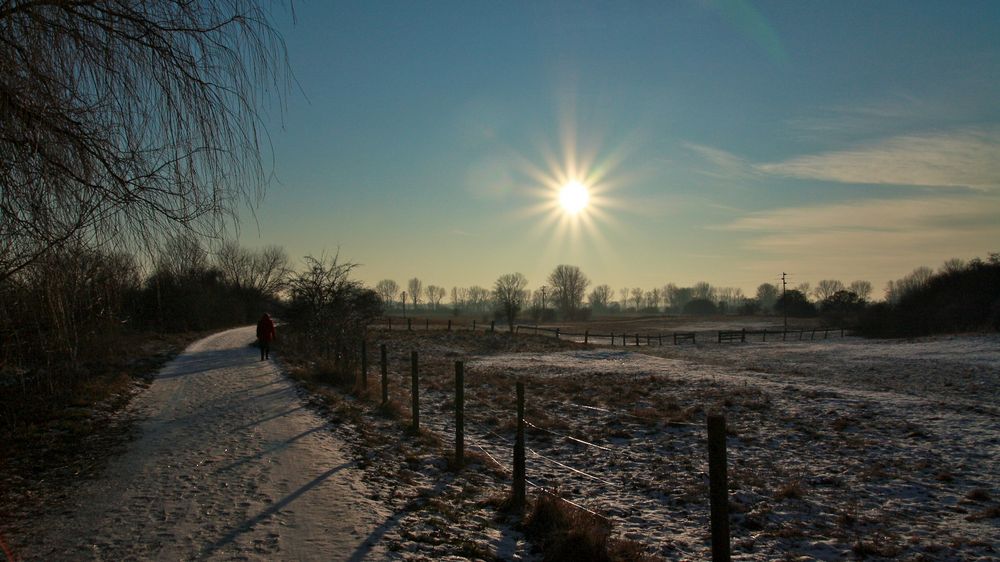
{"x":230,"y":465}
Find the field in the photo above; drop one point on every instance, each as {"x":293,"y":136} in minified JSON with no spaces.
{"x":838,"y":448}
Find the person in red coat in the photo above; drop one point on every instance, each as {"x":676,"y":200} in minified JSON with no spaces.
{"x":265,"y":335}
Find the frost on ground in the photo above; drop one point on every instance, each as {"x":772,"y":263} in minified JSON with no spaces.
{"x":837,"y":448}
{"x":229,"y":465}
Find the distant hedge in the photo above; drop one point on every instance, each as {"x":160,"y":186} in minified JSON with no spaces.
{"x":962,"y":300}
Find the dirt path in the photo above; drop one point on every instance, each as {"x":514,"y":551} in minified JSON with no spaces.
{"x":230,"y":465}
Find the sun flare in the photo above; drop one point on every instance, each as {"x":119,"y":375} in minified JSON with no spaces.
{"x":573,"y":197}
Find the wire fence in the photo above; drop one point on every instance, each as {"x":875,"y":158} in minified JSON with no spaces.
{"x":548,"y":473}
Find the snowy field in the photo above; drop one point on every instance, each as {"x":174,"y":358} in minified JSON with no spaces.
{"x":838,"y":448}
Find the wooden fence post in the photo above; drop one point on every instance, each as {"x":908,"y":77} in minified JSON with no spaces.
{"x":557,"y":333}
{"x":612,"y":339}
{"x":519,"y":475}
{"x":718,"y":487}
{"x":765,"y":335}
{"x":409,"y":324}
{"x":637,"y":340}
{"x":385,"y":374}
{"x":390,"y":323}
{"x":415,"y":390}
{"x":473,"y":325}
{"x":364,"y":364}
{"x":743,"y":335}
{"x":449,"y":324}
{"x":427,"y":323}
{"x":586,"y":336}
{"x":660,"y":337}
{"x":493,"y":326}
{"x":459,"y":414}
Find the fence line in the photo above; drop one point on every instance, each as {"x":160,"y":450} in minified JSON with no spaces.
{"x":519,"y":472}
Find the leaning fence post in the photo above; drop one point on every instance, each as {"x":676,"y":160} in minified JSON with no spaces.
{"x":364,"y":365}
{"x":519,"y":476}
{"x":415,"y":390}
{"x":385,"y":374}
{"x":718,"y":487}
{"x":459,"y":413}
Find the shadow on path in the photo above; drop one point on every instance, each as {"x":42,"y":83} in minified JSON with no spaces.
{"x":249,"y":524}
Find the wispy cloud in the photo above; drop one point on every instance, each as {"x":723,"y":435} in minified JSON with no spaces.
{"x":878,"y":239}
{"x":965,"y":158}
{"x":723,"y":164}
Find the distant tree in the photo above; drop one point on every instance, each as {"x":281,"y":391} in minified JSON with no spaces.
{"x":416,"y":287}
{"x":459,"y":296}
{"x":916,"y":279}
{"x":767,"y":295}
{"x":795,"y":303}
{"x":861,"y":288}
{"x":679,"y":297}
{"x":841,"y":307}
{"x":749,"y":307}
{"x":702,"y":290}
{"x":700,"y":307}
{"x":569,"y":285}
{"x":952,"y":265}
{"x":624,"y":293}
{"x":434,"y":295}
{"x":826,"y":288}
{"x":654,"y":298}
{"x":637,"y":296}
{"x":510,"y":295}
{"x":600,"y":298}
{"x":387,"y":290}
{"x":479,"y":298}
{"x":805,"y":289}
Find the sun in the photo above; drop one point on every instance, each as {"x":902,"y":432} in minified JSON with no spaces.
{"x":573,"y":197}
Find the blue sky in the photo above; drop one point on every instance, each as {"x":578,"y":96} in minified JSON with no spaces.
{"x":724,"y":141}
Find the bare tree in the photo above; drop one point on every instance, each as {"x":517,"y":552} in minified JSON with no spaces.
{"x":623,"y":293}
{"x":265,"y":271}
{"x":510,"y":294}
{"x":416,"y":286}
{"x":182,"y":255}
{"x":767,"y":296}
{"x":600,"y":297}
{"x":861,"y":288}
{"x":124,"y":120}
{"x":702,"y":290}
{"x":479,"y":298}
{"x":434,"y":295}
{"x":653,"y":299}
{"x":387,"y":290}
{"x":569,"y":285}
{"x":826,"y":288}
{"x":637,"y":295}
{"x":952,"y":265}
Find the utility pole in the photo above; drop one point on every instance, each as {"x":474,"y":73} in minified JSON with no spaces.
{"x":784,"y":308}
